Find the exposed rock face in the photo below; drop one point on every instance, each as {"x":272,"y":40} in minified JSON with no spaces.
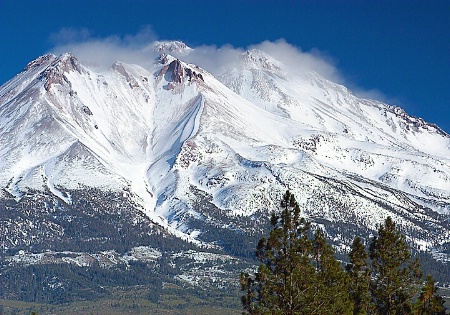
{"x":193,"y":75}
{"x":87,"y":110}
{"x":163,"y":71}
{"x":39,"y":61}
{"x":415,"y":123}
{"x":176,"y":70}
{"x":70,"y":63}
{"x":54,"y":74}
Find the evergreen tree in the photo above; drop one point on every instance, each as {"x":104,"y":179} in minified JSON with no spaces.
{"x":429,"y":302}
{"x":285,"y":277}
{"x":359,"y":272}
{"x":395,"y":276}
{"x":332,"y":283}
{"x":298,"y":275}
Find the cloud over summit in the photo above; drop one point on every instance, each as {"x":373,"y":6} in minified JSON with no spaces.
{"x":139,"y":49}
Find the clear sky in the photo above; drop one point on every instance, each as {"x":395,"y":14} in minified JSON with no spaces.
{"x":401,"y":49}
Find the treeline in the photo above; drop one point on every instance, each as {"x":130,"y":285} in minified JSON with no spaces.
{"x":95,"y":221}
{"x":63,"y":283}
{"x":300,"y":275}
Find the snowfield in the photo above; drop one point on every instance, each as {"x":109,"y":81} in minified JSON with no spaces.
{"x":236,"y":141}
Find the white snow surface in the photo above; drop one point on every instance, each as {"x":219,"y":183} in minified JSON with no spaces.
{"x":242,"y":139}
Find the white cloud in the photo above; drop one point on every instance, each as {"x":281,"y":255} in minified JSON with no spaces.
{"x":299,"y":61}
{"x":214,"y":59}
{"x":138,"y":49}
{"x":103,"y":52}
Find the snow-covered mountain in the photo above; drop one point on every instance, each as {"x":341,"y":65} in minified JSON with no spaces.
{"x":197,"y":153}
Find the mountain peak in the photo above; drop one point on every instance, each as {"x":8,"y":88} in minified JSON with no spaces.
{"x":180,"y":147}
{"x":55,"y":73}
{"x":259,"y":59}
{"x":39,"y":61}
{"x":172,"y":47}
{"x":68,"y":62}
{"x":176,"y":72}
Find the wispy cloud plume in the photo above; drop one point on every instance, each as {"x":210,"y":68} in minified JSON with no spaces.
{"x":299,"y":61}
{"x":215,"y":59}
{"x":138,"y":49}
{"x":104,"y":51}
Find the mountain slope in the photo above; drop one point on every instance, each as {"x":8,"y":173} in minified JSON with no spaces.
{"x":208,"y":158}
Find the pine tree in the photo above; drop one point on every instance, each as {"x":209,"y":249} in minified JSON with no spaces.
{"x":359,"y":272}
{"x":395,"y":276}
{"x":285,"y":277}
{"x":332,"y":293}
{"x":298,"y":275}
{"x":429,"y":302}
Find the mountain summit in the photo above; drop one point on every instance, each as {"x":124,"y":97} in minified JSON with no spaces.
{"x":204,"y":156}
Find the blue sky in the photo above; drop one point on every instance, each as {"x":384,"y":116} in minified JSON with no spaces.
{"x":398,"y":51}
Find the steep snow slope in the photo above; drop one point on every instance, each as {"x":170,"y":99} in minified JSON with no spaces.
{"x":174,"y":139}
{"x":70,"y":127}
{"x":364,"y":137}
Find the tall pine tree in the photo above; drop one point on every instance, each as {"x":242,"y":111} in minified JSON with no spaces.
{"x":332,"y":283}
{"x":285,"y":278}
{"x":359,"y":271}
{"x":298,"y":275}
{"x":395,"y":276}
{"x":429,"y":302}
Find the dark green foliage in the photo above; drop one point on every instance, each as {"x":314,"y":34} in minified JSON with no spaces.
{"x":298,"y":274}
{"x":237,"y":235}
{"x":395,"y":276}
{"x":429,"y":302}
{"x":95,"y":221}
{"x":62,"y":283}
{"x":332,"y":291}
{"x":438,"y":269}
{"x":388,"y":284}
{"x":359,"y":272}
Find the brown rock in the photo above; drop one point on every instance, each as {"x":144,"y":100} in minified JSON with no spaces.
{"x":176,"y":70}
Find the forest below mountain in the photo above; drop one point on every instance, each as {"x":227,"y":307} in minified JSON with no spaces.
{"x":299,"y":274}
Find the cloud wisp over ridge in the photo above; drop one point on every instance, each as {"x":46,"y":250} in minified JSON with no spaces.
{"x":102,"y":52}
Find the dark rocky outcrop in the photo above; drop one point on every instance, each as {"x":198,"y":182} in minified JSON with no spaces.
{"x":55,"y":73}
{"x":39,"y":61}
{"x":412,"y":123}
{"x":176,"y":73}
{"x":193,"y":75}
{"x":70,"y":63}
{"x":176,"y":70}
{"x":87,"y":110}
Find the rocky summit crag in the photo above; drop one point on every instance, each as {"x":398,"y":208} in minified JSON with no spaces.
{"x":132,"y":164}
